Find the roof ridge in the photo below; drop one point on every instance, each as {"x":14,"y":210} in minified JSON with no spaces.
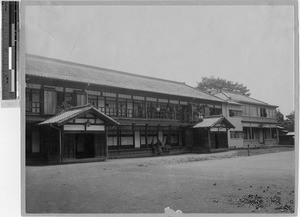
{"x":215,"y":116}
{"x":247,"y":96}
{"x":203,"y":92}
{"x":77,"y":107}
{"x":95,"y":67}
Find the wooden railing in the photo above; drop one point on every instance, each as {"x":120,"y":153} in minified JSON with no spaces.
{"x":259,"y":119}
{"x":137,"y":113}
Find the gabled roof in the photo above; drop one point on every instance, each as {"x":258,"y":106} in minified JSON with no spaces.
{"x":69,"y":71}
{"x":211,"y":122}
{"x":240,"y":98}
{"x":73,"y":112}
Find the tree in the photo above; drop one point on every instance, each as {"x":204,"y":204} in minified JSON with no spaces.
{"x":279,"y":117}
{"x":212,"y":84}
{"x":289,"y":122}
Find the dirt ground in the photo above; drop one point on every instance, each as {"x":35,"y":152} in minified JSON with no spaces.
{"x":192,"y":183}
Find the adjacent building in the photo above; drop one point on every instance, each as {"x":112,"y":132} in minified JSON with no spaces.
{"x":76,"y":112}
{"x":254,"y":121}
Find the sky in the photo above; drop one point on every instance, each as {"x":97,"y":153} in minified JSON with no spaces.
{"x":252,"y":45}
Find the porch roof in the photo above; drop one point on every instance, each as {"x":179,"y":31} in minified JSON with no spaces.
{"x":211,"y":122}
{"x":73,"y":112}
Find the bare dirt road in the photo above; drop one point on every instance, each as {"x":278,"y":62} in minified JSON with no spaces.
{"x":261,"y":183}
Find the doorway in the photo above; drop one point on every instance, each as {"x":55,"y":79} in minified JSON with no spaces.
{"x":85,"y":145}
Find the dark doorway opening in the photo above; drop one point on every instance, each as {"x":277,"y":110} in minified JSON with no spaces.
{"x":85,"y":146}
{"x":216,"y":140}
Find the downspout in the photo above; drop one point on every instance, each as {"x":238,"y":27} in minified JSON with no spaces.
{"x":60,"y":145}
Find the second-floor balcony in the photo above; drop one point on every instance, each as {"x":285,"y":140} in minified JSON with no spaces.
{"x":143,"y":114}
{"x":258,"y":119}
{"x":181,"y":116}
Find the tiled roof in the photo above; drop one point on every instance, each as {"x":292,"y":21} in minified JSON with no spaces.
{"x":63,"y":70}
{"x":240,"y":98}
{"x":210,"y":122}
{"x":74,"y":112}
{"x":34,"y":119}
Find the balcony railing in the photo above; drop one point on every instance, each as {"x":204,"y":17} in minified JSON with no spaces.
{"x":136,"y":113}
{"x":259,"y":119}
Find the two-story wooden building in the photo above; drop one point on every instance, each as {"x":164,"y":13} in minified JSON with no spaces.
{"x":76,"y":112}
{"x":254,"y":120}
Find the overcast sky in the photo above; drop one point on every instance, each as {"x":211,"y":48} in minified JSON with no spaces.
{"x":252,"y":45}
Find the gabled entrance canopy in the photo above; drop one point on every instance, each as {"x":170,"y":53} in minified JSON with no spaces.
{"x":77,"y":111}
{"x":214,"y":122}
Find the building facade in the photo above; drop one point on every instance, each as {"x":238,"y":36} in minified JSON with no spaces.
{"x":254,"y":121}
{"x":76,"y":112}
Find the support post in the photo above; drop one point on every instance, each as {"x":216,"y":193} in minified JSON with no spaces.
{"x":106,"y":146}
{"x":209,"y":140}
{"x":60,"y":147}
{"x":146,"y":135}
{"x":248,"y":150}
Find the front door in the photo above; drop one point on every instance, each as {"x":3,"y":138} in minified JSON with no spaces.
{"x":85,"y":145}
{"x":261,"y":136}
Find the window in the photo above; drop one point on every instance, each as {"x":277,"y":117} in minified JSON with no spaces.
{"x":163,"y":100}
{"x":33,"y":101}
{"x":68,"y":100}
{"x":109,"y":94}
{"x":92,"y":100}
{"x":236,"y":134}
{"x":151,"y":99}
{"x":246,"y":110}
{"x":214,"y":110}
{"x":101,"y":104}
{"x":151,"y":109}
{"x":50,"y":102}
{"x":112,"y":138}
{"x":81,"y":98}
{"x":235,"y":113}
{"x":127,"y":136}
{"x":122,"y":107}
{"x":139,"y":109}
{"x":111,"y":106}
{"x":246,"y":131}
{"x":253,"y":111}
{"x":124,"y":96}
{"x":60,"y":101}
{"x":263,"y":112}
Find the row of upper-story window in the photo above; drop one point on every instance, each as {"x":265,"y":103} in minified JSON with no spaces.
{"x":49,"y":101}
{"x":253,"y":111}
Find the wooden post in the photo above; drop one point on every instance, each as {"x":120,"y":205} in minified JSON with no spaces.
{"x":146,"y":135}
{"x":227,"y":137}
{"x":60,"y":146}
{"x":277,"y":135}
{"x":248,"y":150}
{"x":106,"y":146}
{"x":209,"y":140}
{"x":118,"y":138}
{"x":132,"y":126}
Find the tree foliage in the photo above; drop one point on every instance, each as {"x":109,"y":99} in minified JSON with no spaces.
{"x":279,"y":117}
{"x":289,"y":122}
{"x":212,"y":84}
